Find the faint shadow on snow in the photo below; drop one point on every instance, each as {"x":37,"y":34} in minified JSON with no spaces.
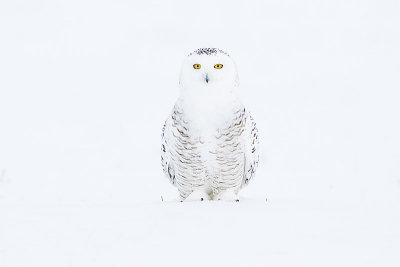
{"x":2,"y":182}
{"x":2,"y":176}
{"x":242,"y":200}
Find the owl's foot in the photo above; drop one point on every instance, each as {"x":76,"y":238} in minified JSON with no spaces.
{"x":198,"y":195}
{"x":227,"y":195}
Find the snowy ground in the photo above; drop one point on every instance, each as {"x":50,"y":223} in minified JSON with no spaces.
{"x":250,"y":233}
{"x":85,"y":87}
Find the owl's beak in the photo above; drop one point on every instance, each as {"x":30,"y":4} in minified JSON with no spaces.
{"x":206,"y":77}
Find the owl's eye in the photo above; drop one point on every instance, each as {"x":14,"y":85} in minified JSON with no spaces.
{"x":218,"y":66}
{"x":197,"y":66}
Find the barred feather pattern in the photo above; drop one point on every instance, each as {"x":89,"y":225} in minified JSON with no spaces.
{"x":226,"y":160}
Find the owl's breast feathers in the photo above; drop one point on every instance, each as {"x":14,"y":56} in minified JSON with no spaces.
{"x":227,"y":158}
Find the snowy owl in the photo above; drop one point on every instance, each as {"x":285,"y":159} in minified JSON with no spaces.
{"x":209,"y":144}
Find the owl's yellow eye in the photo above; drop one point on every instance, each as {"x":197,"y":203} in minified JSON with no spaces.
{"x":218,"y":66}
{"x":197,"y":66}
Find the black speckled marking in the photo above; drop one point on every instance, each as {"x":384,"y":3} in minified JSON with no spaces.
{"x":208,"y":51}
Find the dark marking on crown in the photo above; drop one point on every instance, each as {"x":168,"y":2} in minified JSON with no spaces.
{"x":208,"y":51}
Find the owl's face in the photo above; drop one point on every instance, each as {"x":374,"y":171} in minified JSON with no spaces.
{"x":208,"y":70}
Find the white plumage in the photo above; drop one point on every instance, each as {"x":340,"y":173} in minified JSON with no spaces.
{"x":210,"y":141}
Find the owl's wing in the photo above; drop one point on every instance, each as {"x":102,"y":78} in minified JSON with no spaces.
{"x":166,"y":161}
{"x":251,"y":155}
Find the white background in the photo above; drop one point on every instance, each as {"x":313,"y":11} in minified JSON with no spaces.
{"x":85,"y":87}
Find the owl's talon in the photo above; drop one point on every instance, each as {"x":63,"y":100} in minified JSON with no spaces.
{"x":198,"y":195}
{"x":228,"y":195}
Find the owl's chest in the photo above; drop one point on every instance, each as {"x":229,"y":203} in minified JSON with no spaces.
{"x":205,"y":117}
{"x":220,"y":147}
{"x":212,"y":141}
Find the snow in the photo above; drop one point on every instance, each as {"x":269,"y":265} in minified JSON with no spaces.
{"x":249,"y":233}
{"x":85,"y":87}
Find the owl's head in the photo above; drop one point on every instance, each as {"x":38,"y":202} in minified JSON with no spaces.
{"x":208,"y":70}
